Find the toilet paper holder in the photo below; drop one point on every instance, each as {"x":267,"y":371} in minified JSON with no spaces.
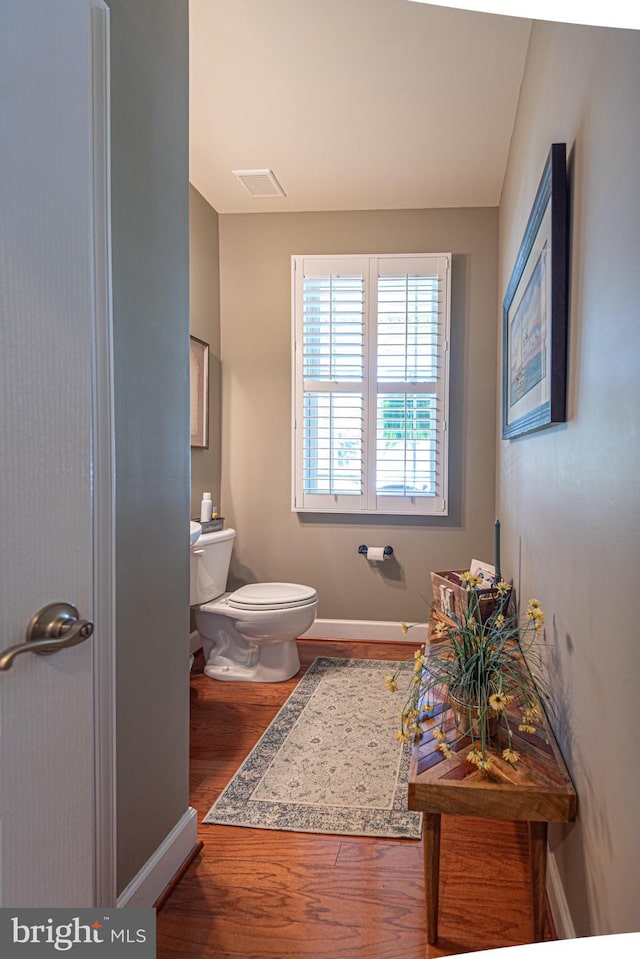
{"x":388,"y":550}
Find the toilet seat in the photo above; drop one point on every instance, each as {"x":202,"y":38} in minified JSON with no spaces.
{"x":266,"y":596}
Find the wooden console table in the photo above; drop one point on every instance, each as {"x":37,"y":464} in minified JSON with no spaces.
{"x":538,"y":790}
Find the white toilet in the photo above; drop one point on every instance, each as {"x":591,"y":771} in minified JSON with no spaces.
{"x":251,"y":633}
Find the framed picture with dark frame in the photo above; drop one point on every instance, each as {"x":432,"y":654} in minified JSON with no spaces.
{"x":534,"y":314}
{"x":199,"y":391}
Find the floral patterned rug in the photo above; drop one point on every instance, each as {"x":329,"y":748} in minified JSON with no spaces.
{"x":330,"y":761}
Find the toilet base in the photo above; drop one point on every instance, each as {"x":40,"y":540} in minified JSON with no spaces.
{"x":270,"y":662}
{"x":257,"y":646}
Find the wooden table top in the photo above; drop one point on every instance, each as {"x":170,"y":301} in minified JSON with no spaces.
{"x":537,"y":788}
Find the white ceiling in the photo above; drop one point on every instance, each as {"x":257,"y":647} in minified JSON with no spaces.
{"x":353,"y":104}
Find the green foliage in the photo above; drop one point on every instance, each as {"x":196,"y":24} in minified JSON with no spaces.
{"x":481,"y":668}
{"x":407,"y":415}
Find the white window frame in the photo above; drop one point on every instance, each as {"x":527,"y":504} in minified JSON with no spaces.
{"x":371,"y":267}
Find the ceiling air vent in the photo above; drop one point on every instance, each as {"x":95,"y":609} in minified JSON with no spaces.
{"x":259,"y":182}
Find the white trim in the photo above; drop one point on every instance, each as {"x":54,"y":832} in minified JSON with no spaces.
{"x":104,"y":482}
{"x":158,"y":871}
{"x":381,"y":631}
{"x":195,"y":642}
{"x":557,"y":900}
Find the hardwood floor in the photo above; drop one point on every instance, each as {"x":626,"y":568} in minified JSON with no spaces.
{"x":259,"y":894}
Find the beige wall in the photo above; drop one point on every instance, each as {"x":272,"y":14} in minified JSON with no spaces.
{"x":204,"y":271}
{"x":568,"y":496}
{"x":149,"y":166}
{"x":275,"y":544}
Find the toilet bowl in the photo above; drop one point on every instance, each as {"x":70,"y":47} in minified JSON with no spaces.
{"x":248,"y":634}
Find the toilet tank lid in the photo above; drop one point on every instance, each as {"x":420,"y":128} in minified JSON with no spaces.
{"x":218,"y":536}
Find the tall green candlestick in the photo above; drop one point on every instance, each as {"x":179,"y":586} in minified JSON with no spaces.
{"x":496,"y":527}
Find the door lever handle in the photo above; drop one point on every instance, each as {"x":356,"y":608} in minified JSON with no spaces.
{"x":54,"y":627}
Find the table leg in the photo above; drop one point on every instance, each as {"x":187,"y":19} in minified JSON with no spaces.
{"x":432,"y":872}
{"x":538,"y":858}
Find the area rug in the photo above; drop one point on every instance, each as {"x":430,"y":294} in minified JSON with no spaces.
{"x":329,"y":762}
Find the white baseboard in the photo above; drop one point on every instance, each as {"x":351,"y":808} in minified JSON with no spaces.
{"x":371,"y":630}
{"x":195,"y":642}
{"x":156,"y":874}
{"x":557,"y":900}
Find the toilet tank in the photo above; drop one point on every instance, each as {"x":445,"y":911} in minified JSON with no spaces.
{"x":210,"y":558}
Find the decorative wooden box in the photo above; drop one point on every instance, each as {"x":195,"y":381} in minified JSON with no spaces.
{"x":451,"y":598}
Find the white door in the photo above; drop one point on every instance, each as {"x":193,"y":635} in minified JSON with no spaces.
{"x":55,"y":540}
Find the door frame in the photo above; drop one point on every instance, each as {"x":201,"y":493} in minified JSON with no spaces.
{"x":103,"y":447}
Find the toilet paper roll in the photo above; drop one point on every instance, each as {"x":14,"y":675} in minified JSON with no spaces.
{"x":375,"y":554}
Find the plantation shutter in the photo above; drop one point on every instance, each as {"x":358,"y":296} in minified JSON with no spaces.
{"x":370,"y":383}
{"x":330,"y":350}
{"x":411,"y":384}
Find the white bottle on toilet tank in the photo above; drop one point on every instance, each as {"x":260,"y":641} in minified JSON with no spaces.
{"x":206,"y":508}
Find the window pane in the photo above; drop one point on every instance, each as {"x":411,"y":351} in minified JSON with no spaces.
{"x":407,"y":328}
{"x":333,"y":328}
{"x":332,"y":461}
{"x":406,"y":444}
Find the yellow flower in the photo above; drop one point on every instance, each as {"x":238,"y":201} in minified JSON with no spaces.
{"x":419,"y":661}
{"x":535,"y":614}
{"x":438,"y":629}
{"x":511,"y":755}
{"x":486,"y":763}
{"x":471,"y":622}
{"x":526,"y":728}
{"x":498,"y":702}
{"x":446,"y":750}
{"x":531,"y":714}
{"x":409,"y":726}
{"x":469,"y":580}
{"x":535,"y":611}
{"x":391,"y":683}
{"x":438,"y":734}
{"x":402,"y":737}
{"x":475,"y":757}
{"x":502,"y":587}
{"x":404,"y":628}
{"x":499,"y":621}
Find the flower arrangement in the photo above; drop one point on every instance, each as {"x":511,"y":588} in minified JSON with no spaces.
{"x":480,"y":669}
